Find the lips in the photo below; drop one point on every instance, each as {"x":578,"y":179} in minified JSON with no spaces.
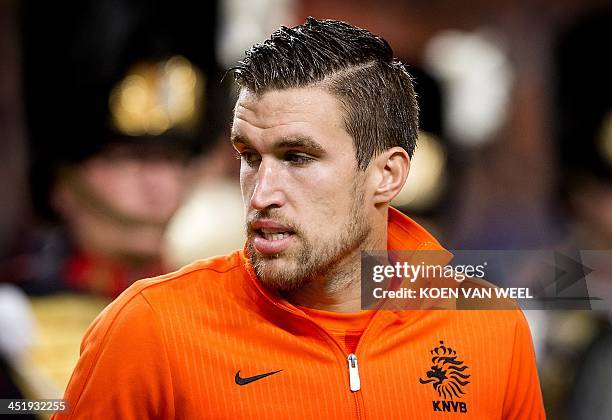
{"x":271,"y":237}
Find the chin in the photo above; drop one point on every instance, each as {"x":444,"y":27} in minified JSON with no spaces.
{"x":278,"y":273}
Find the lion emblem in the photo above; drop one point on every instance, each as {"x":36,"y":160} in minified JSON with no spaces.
{"x":447,"y":374}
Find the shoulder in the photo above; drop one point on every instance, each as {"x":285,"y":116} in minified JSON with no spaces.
{"x":481,"y":311}
{"x":477,"y":293}
{"x":216,"y":268}
{"x":138,"y":304}
{"x":496,"y":324}
{"x":493,"y":311}
{"x":206,"y":274}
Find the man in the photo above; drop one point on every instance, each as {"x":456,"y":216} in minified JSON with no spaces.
{"x":126,"y":111}
{"x":115,"y":119}
{"x":325,"y":125}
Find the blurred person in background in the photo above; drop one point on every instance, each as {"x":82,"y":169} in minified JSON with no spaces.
{"x":114,"y":117}
{"x":577,"y":361}
{"x":121,"y":97}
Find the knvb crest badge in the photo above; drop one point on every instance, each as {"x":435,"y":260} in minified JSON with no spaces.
{"x":448,"y":377}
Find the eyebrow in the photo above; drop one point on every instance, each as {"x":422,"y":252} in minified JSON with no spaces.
{"x":288,"y":142}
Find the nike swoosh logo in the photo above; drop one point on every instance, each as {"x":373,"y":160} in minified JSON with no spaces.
{"x":243,"y":381}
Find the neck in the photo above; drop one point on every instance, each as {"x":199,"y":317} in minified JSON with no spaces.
{"x":339,"y":289}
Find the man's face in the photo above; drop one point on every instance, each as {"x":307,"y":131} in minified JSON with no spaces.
{"x":119,"y":201}
{"x":302,"y":191}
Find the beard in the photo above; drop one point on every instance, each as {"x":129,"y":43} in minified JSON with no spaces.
{"x":295,"y":268}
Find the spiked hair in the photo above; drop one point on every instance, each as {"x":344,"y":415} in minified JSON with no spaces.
{"x":374,"y":89}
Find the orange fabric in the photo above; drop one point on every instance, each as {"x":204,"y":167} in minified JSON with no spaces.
{"x":347,"y":328}
{"x":172,"y":346}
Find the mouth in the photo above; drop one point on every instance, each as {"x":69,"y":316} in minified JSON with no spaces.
{"x":271,"y":238}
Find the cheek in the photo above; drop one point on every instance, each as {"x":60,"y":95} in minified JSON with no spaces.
{"x":117,"y":183}
{"x":152,"y":192}
{"x":328,"y":191}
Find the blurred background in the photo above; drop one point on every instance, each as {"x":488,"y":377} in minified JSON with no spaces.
{"x":114,"y":125}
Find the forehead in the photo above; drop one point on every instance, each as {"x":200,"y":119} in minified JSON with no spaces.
{"x":310,"y":111}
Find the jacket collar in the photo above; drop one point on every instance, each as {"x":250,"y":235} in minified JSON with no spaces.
{"x":403,"y":233}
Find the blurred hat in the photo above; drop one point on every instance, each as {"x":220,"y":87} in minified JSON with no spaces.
{"x":132,"y":72}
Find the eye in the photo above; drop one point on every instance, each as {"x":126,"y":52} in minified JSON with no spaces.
{"x":297,"y":158}
{"x":250,"y":157}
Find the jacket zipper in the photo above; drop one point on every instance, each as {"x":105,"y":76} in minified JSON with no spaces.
{"x":354,"y":382}
{"x":354,"y":379}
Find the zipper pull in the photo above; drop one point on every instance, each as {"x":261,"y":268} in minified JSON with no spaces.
{"x":354,"y":381}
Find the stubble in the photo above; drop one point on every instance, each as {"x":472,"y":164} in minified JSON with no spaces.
{"x":314,"y":261}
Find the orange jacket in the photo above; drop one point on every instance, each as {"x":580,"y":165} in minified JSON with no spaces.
{"x":209,"y":341}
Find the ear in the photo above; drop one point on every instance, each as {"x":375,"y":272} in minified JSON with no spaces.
{"x":390,"y":172}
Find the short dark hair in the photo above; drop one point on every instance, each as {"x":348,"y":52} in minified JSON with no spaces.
{"x":374,"y":88}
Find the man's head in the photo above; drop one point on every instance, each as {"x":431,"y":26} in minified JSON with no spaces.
{"x":117,"y":202}
{"x":325,"y":123}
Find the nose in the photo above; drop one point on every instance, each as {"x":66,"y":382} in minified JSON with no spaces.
{"x":267,"y":192}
